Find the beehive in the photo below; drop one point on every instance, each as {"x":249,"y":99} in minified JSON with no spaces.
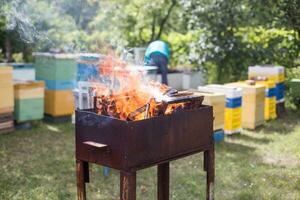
{"x":29,"y":100}
{"x":6,"y":122}
{"x":23,"y":71}
{"x":59,"y":102}
{"x":6,"y":99}
{"x":270,"y":99}
{"x":232,"y":119}
{"x":273,"y":73}
{"x":88,"y":67}
{"x":57,"y":70}
{"x":6,"y":90}
{"x":253,"y":103}
{"x":217,"y":100}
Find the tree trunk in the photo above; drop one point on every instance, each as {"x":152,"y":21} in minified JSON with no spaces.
{"x":8,"y":52}
{"x":165,"y":19}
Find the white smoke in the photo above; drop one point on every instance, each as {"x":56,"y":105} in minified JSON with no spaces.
{"x":18,"y":15}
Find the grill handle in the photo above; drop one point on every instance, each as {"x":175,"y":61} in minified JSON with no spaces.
{"x":99,"y":146}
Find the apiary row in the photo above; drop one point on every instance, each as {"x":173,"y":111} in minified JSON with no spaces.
{"x":246,"y":104}
{"x":20,"y":101}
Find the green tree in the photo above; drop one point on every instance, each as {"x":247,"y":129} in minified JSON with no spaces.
{"x":224,"y":48}
{"x":136,"y":22}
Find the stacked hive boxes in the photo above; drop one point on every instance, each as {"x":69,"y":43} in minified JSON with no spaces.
{"x":87,"y":74}
{"x":59,"y":73}
{"x":253,"y":103}
{"x":274,"y":73}
{"x":29,"y":100}
{"x":270,"y":99}
{"x":83,"y":95}
{"x":6,"y":99}
{"x":232,"y":107}
{"x":217,"y":100}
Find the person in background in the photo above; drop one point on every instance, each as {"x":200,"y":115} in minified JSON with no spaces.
{"x":158,"y":54}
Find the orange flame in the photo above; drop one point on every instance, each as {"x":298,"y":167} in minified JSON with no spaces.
{"x":127,"y":90}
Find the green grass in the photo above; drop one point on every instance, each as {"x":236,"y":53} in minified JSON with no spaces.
{"x":265,"y":164}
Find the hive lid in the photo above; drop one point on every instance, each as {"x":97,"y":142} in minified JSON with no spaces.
{"x":21,"y":84}
{"x":267,"y":83}
{"x":56,"y":55}
{"x":244,"y":84}
{"x":207,"y":92}
{"x":266,"y":69}
{"x":5,"y":69}
{"x":229,"y":91}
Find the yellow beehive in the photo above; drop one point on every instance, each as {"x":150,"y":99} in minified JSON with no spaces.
{"x":233,"y":99}
{"x":270,"y":99}
{"x":270,"y":108}
{"x":274,"y":73}
{"x":59,"y":102}
{"x":232,"y":119}
{"x":217,"y":100}
{"x":29,"y":89}
{"x":253,"y":104}
{"x":6,"y":90}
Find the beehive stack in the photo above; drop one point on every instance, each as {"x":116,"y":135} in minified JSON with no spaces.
{"x":59,"y":73}
{"x":217,"y":100}
{"x":88,"y":67}
{"x":273,"y":73}
{"x":87,"y":74}
{"x":270,"y":99}
{"x":6,"y":99}
{"x":232,"y":120}
{"x":253,"y":104}
{"x":29,"y":100}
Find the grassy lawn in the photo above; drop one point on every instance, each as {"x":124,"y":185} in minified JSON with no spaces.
{"x":265,"y":164}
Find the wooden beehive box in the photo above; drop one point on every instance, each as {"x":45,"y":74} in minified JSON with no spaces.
{"x":274,"y":73}
{"x":232,"y":118}
{"x":217,"y":101}
{"x":270,"y":98}
{"x":57,"y":70}
{"x":271,"y":72}
{"x":253,"y":104}
{"x":59,"y":102}
{"x":29,"y":100}
{"x":6,"y":90}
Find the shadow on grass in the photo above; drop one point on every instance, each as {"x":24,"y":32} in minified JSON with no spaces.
{"x":248,"y":138}
{"x":237,"y":149}
{"x":285,"y":124}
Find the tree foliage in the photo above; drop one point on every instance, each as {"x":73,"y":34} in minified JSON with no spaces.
{"x":236,"y":35}
{"x":222,"y":36}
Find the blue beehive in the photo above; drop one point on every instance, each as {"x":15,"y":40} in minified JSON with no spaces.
{"x":88,"y":67}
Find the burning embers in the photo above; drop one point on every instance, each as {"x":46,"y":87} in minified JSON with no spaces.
{"x":125,"y":94}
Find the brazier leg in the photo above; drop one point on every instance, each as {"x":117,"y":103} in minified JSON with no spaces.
{"x":127,"y":185}
{"x":81,"y":192}
{"x":209,"y":167}
{"x":163,"y":179}
{"x":86,"y":172}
